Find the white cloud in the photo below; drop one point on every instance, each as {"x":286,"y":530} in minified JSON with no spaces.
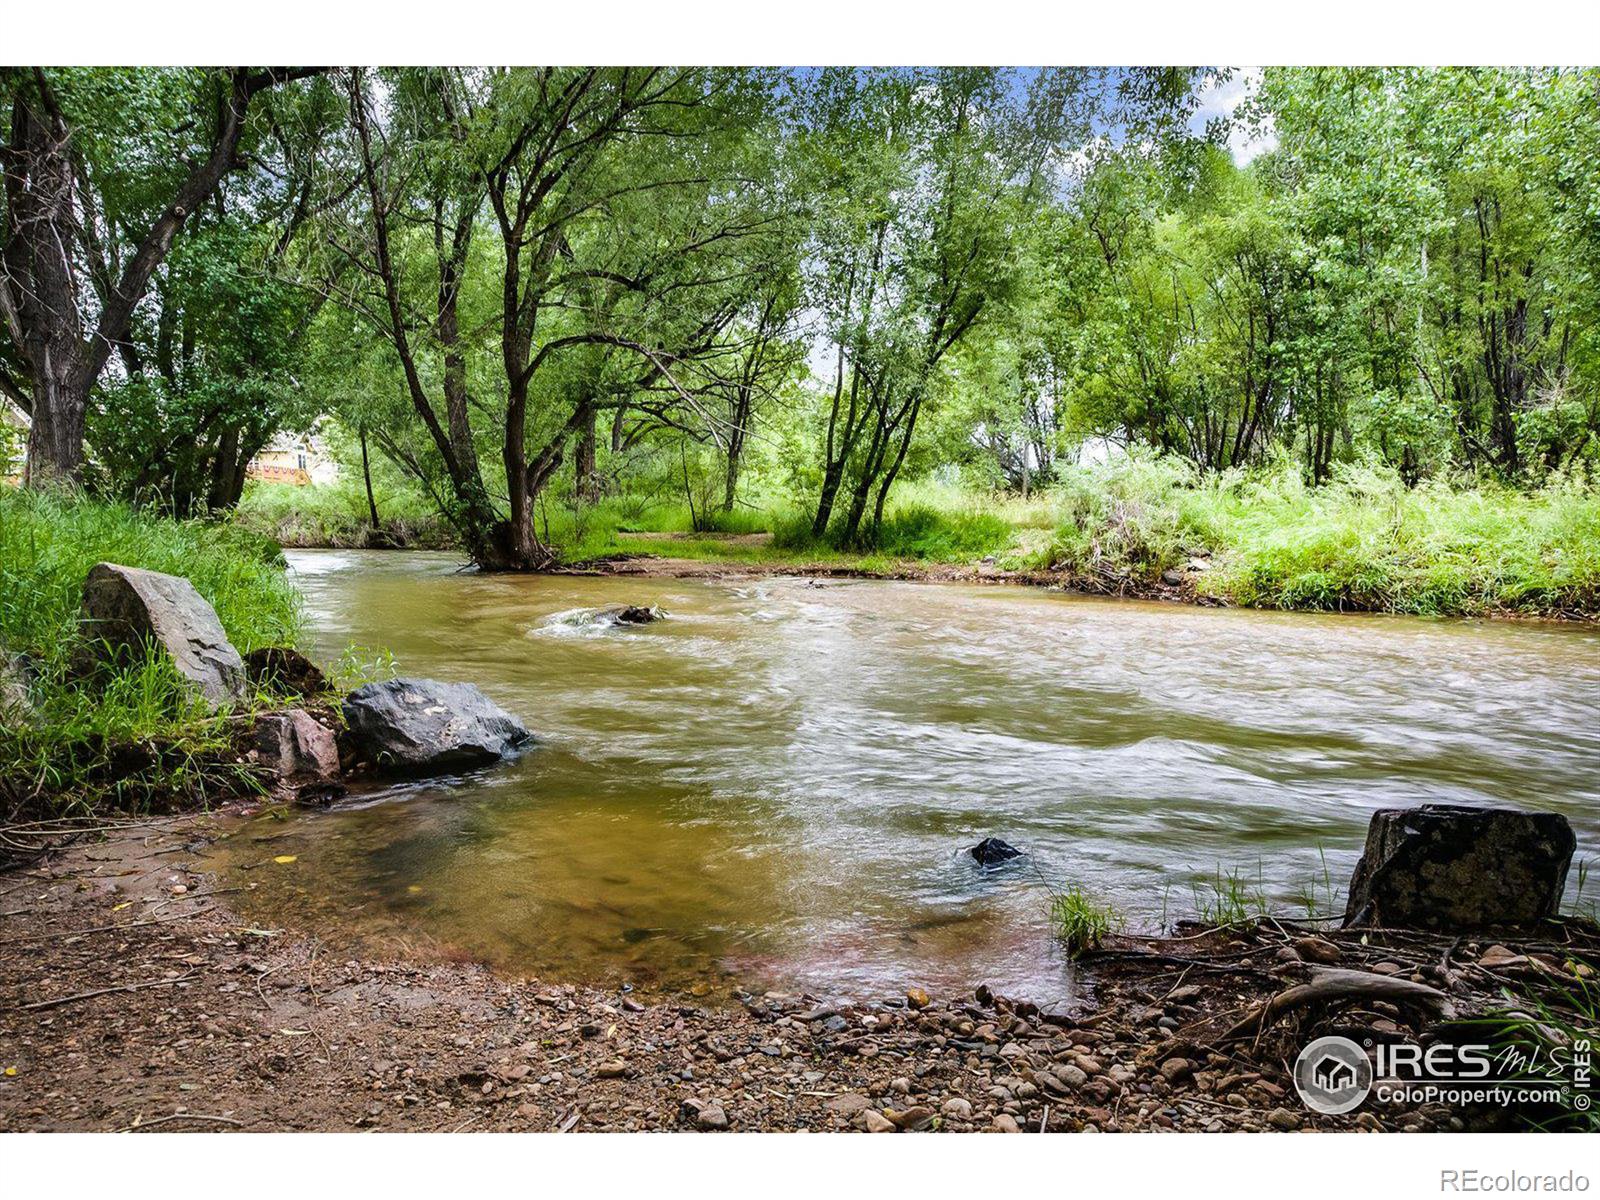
{"x":1221,"y":99}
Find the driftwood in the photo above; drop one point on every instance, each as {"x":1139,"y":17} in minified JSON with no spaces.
{"x":1334,"y":985}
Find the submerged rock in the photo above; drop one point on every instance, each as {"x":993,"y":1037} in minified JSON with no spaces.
{"x":300,"y":754}
{"x":130,"y":611}
{"x":992,"y":852}
{"x":1443,"y":866}
{"x":285,"y":671}
{"x":422,"y":726}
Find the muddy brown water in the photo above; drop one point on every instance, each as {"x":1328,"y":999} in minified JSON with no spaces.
{"x":774,"y":786}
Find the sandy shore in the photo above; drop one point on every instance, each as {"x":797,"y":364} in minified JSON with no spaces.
{"x":136,"y":996}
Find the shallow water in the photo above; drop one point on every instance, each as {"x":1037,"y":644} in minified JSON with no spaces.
{"x":774,"y":785}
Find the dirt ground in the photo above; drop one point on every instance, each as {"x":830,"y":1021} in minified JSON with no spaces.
{"x":132,"y":996}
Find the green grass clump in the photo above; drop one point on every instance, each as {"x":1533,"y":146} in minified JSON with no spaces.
{"x":1226,"y":901}
{"x":919,"y":531}
{"x":1082,"y":923}
{"x":121,"y":739}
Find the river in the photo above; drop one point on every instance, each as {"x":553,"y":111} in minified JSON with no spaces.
{"x":773,"y":787}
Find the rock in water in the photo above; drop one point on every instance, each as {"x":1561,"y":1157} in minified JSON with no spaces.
{"x":1445,"y":866}
{"x":630,"y":614}
{"x":284,"y":671}
{"x":300,"y":754}
{"x":422,"y":726}
{"x":992,"y":852}
{"x":128,"y":610}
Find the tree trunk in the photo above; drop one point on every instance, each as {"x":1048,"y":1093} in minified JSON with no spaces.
{"x":736,"y":436}
{"x":366,"y":478}
{"x":38,"y":288}
{"x":586,"y":483}
{"x":39,"y":298}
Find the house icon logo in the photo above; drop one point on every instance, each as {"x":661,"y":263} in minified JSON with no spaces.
{"x":1332,"y":1075}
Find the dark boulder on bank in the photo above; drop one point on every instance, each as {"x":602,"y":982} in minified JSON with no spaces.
{"x":991,"y":852}
{"x":422,"y":727}
{"x":1450,"y":867}
{"x":128,"y":612}
{"x":299,"y":755}
{"x":286,"y":672}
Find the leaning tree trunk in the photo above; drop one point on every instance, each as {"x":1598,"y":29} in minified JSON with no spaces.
{"x":366,"y":478}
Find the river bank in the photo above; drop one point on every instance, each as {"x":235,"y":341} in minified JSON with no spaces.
{"x":137,"y":996}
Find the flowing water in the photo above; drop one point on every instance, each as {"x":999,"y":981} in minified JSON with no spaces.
{"x":774,"y":786}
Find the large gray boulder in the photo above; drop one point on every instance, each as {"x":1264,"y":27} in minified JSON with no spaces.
{"x":1449,"y":867}
{"x":130,"y":611}
{"x":422,"y":726}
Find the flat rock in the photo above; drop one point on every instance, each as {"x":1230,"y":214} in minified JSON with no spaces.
{"x":422,"y":726}
{"x":1452,"y":867}
{"x":874,"y":1121}
{"x":848,"y":1104}
{"x":129,"y":612}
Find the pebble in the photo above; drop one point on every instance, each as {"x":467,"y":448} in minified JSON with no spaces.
{"x":1318,"y":950}
{"x":1075,"y":1077}
{"x":917,"y":998}
{"x":957,"y":1109}
{"x":1283,"y":1119}
{"x":1174,"y":1069}
{"x":1006,"y":1123}
{"x":848,"y":1104}
{"x":912,"y":1119}
{"x":874,"y":1121}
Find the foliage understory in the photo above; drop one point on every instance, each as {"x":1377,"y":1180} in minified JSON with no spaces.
{"x":1147,"y":526}
{"x":131,"y":739}
{"x":338,"y":516}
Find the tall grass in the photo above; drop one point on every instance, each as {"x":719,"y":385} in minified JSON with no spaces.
{"x":1362,"y":542}
{"x":1082,"y":922}
{"x":337,"y":515}
{"x":133,"y":736}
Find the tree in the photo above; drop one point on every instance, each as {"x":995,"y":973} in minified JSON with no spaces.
{"x":617,"y":209}
{"x":70,"y":277}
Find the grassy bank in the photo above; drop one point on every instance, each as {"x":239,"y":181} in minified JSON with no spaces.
{"x":337,"y":515}
{"x":1139,"y":526}
{"x":128,"y":739}
{"x":1363,"y":542}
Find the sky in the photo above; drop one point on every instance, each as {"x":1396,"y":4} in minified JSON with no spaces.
{"x":1220,"y":100}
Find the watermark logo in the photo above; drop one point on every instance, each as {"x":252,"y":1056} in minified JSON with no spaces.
{"x":1332,"y":1075}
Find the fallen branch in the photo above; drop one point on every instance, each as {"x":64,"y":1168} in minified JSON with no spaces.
{"x":70,"y":933}
{"x":76,"y":996}
{"x":135,"y":1128}
{"x":1332,"y":985}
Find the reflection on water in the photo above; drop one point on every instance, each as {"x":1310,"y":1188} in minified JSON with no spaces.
{"x":773,"y":785}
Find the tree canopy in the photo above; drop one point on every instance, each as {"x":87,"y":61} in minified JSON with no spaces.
{"x":486,"y":275}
